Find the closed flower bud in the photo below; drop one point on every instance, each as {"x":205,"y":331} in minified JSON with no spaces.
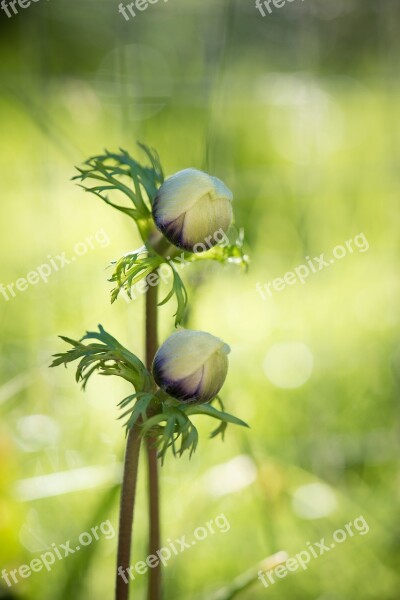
{"x":190,"y":207}
{"x":191,"y":366}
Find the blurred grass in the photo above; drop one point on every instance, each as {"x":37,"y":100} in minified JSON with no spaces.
{"x":299,"y":115}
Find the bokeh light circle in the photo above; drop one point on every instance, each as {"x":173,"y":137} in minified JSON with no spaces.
{"x":289,"y":364}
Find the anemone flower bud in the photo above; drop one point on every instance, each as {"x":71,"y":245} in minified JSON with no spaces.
{"x":191,"y":207}
{"x":191,"y":366}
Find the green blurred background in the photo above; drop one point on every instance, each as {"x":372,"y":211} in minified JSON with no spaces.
{"x":298,"y":113}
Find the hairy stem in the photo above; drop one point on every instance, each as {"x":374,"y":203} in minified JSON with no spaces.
{"x":128,"y":494}
{"x":154,"y":590}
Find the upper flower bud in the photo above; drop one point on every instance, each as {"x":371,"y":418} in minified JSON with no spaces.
{"x":190,"y":207}
{"x":191,"y":366}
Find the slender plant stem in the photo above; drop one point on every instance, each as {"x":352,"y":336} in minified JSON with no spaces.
{"x":129,"y":482}
{"x":128,"y":494}
{"x":154,"y":589}
{"x":151,"y":325}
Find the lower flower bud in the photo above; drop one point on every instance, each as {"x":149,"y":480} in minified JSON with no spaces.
{"x":191,"y":366}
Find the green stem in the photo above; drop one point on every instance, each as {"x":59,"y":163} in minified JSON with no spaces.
{"x":129,"y":482}
{"x":130,"y":479}
{"x":154,"y":590}
{"x":128,"y":494}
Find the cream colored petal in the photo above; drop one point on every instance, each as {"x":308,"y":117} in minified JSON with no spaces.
{"x":214,"y":375}
{"x":204,"y":219}
{"x":185,"y":352}
{"x":220,"y":189}
{"x":179,"y":193}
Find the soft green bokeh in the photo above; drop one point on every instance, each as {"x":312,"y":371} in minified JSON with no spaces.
{"x":298,"y":113}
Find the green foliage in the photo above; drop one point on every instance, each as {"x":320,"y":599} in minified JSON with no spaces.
{"x":158,"y":415}
{"x":179,"y":291}
{"x":107,"y":358}
{"x":138,"y":264}
{"x":119,"y":172}
{"x":229,"y":253}
{"x":211,"y":411}
{"x":132,"y":268}
{"x":172,"y":425}
{"x":139,"y":409}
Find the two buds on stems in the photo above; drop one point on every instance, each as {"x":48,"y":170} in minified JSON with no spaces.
{"x":190,"y":206}
{"x":190,"y":210}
